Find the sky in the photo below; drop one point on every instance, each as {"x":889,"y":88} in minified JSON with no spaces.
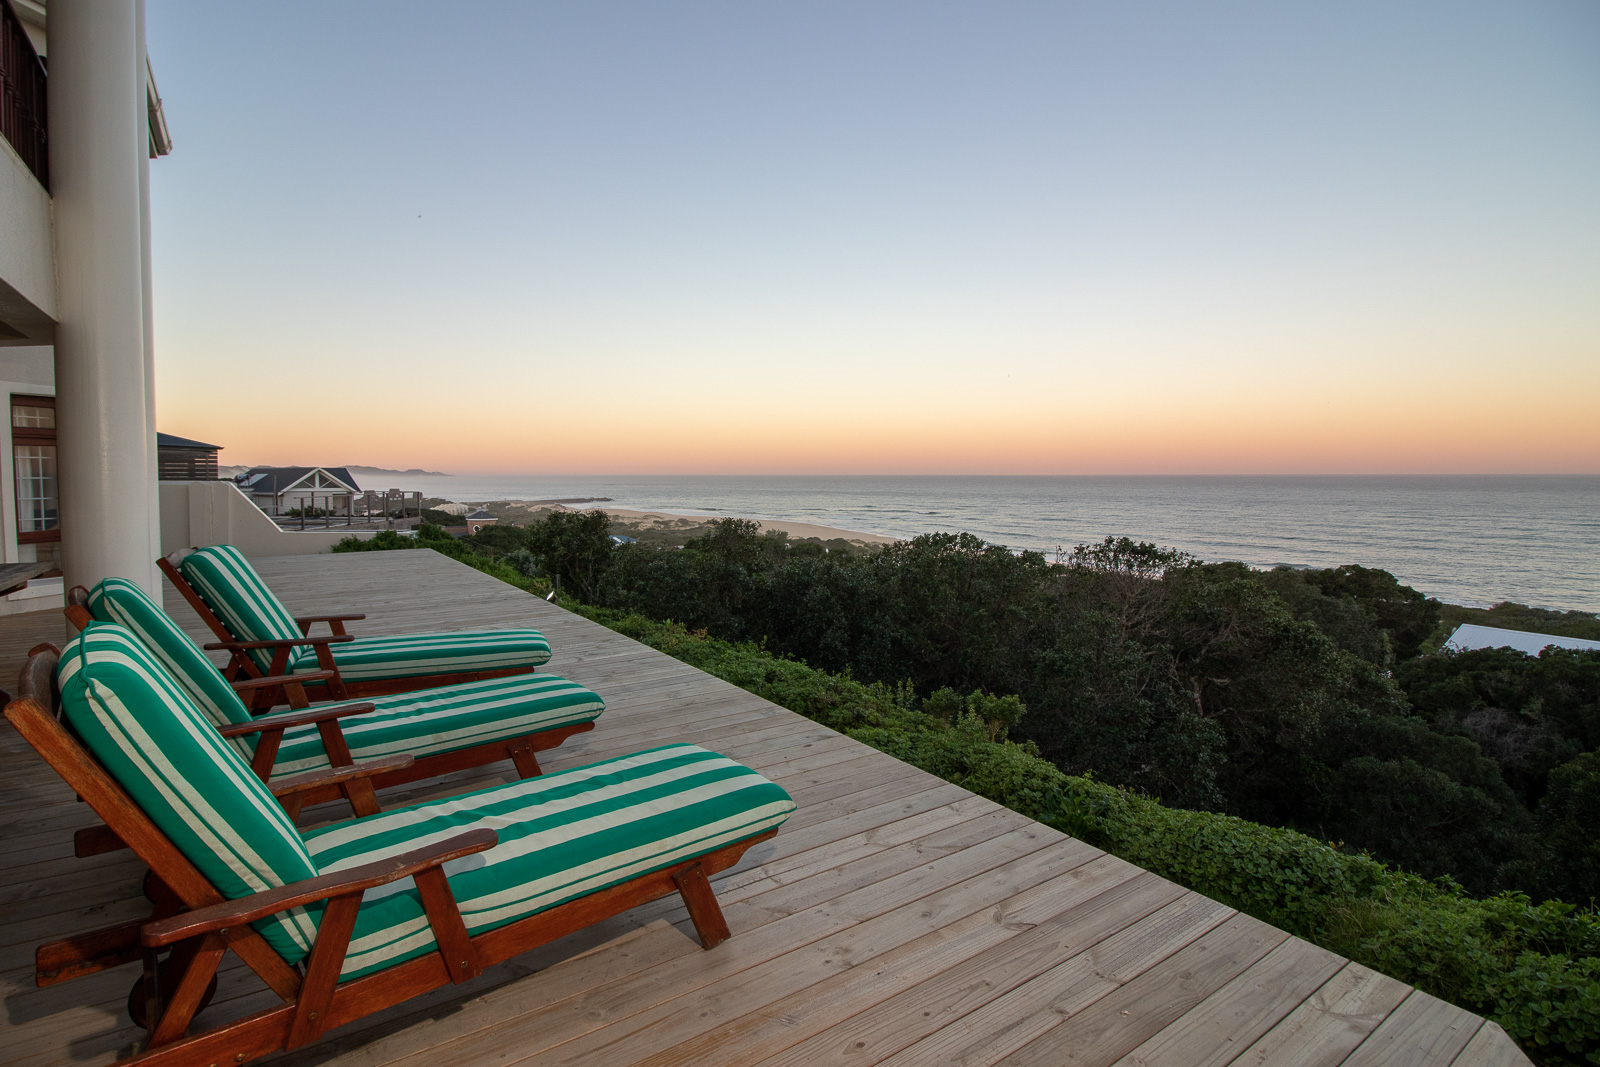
{"x":1010,"y":238}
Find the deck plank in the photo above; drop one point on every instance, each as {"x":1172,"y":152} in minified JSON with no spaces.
{"x":1229,"y":1020}
{"x":1010,"y":1021}
{"x":1491,"y":1046}
{"x":1328,"y":1026}
{"x":894,"y":1022}
{"x":896,"y":919}
{"x":1423,"y":1029}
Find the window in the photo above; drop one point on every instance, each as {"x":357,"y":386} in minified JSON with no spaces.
{"x":33,"y":446}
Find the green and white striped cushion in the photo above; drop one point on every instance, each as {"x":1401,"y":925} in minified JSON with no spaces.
{"x":409,"y":655}
{"x":120,"y":601}
{"x":421,"y":723}
{"x":448,"y":718}
{"x":233,"y":590}
{"x":562,"y":836}
{"x":191,"y":783}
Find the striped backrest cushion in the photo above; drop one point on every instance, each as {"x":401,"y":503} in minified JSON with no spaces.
{"x":191,"y":783}
{"x":232,"y":588}
{"x":120,"y":601}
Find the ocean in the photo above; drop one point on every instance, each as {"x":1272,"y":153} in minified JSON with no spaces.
{"x":1464,"y":539}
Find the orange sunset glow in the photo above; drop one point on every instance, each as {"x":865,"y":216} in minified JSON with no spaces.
{"x":1030,"y":243}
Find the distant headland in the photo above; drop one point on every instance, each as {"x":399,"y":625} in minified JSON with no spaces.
{"x":414,"y":472}
{"x":226,"y":471}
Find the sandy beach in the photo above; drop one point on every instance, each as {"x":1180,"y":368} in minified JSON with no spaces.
{"x":793,"y":529}
{"x":632,"y":521}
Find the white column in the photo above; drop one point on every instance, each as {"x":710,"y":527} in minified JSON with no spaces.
{"x":141,"y":106}
{"x":101,"y":410}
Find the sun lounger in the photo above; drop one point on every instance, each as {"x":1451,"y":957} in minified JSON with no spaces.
{"x":266,"y":640}
{"x":350,"y":919}
{"x":444,"y":729}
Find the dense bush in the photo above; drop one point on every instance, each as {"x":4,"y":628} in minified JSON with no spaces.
{"x":434,"y":537}
{"x":1213,"y":686}
{"x":1538,"y":717}
{"x":1533,"y":968}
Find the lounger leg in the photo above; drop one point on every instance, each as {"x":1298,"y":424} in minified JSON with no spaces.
{"x":144,"y":999}
{"x":322,"y":970}
{"x":527,"y":763}
{"x":704,"y":910}
{"x":449,"y":932}
{"x":363,"y":800}
{"x":175,"y":990}
{"x":194,"y":988}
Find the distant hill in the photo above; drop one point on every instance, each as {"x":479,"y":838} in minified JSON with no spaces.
{"x":225,"y":471}
{"x":358,"y":470}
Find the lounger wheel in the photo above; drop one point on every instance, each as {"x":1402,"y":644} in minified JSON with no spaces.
{"x":139,"y":1002}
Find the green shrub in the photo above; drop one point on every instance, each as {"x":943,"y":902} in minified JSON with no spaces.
{"x":1535,"y":969}
{"x":434,"y":537}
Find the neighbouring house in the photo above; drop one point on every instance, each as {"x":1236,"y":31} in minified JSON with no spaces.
{"x":1470,"y":635}
{"x":179,"y":459}
{"x":478,"y":519}
{"x":78,"y":469}
{"x":301,"y":490}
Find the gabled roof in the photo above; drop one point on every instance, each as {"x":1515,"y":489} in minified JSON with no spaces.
{"x":274,"y":480}
{"x":167,"y":440}
{"x":1470,"y":635}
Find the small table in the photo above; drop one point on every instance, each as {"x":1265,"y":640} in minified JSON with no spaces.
{"x":14,"y":576}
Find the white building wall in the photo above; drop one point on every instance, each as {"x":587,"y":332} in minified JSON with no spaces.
{"x":27,"y":259}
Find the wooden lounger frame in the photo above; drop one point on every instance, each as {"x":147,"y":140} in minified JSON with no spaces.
{"x":521,"y":750}
{"x":333,"y":687}
{"x":196,"y":926}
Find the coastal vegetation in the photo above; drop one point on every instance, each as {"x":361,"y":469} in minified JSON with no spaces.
{"x":1280,"y":741}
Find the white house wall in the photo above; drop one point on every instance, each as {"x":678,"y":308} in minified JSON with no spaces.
{"x":27,"y":256}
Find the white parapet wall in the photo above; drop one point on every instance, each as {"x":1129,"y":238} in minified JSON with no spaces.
{"x":193,"y":515}
{"x":197,"y":514}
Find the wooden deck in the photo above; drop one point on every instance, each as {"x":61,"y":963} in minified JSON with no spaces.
{"x":896,"y":919}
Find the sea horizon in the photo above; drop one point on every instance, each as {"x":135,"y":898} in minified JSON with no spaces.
{"x":1475,"y":540}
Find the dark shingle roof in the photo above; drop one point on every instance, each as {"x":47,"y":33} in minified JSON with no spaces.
{"x":277,"y":479}
{"x":167,"y":440}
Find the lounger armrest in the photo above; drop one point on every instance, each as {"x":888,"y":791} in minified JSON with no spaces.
{"x":298,"y":717}
{"x":242,"y":684}
{"x":300,"y":783}
{"x":236,"y":913}
{"x":282,"y":642}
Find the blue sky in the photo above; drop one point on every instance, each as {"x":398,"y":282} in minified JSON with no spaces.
{"x":1055,"y":238}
